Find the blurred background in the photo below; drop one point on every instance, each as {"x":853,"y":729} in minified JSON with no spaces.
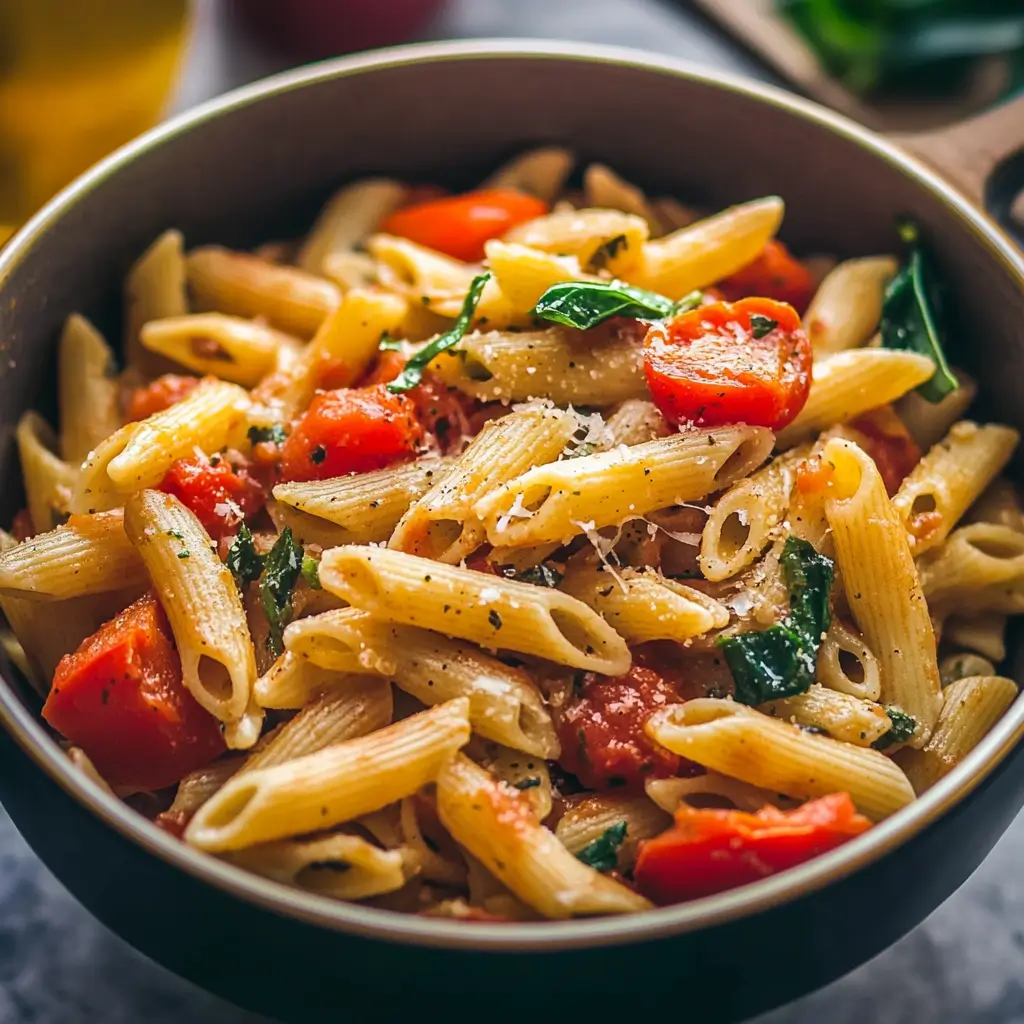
{"x":80,"y":77}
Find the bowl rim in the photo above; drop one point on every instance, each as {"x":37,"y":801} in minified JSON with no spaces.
{"x":409,"y":929}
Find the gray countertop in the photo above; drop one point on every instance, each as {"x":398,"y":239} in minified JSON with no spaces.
{"x":965,"y":964}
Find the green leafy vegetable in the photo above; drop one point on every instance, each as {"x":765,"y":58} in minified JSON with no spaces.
{"x":903,"y":727}
{"x":540,"y":575}
{"x":413,"y":372}
{"x":243,"y":560}
{"x":601,"y":854}
{"x":311,"y":572}
{"x":762,"y":325}
{"x":608,"y":251}
{"x":275,"y":434}
{"x":585,"y":304}
{"x":780,"y":661}
{"x":281,"y":571}
{"x":389,"y":344}
{"x":530,"y":782}
{"x":913,"y":314}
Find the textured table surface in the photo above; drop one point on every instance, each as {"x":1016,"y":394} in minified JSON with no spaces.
{"x":965,"y":964}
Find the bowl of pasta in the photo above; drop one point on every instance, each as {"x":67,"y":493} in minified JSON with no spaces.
{"x":454,"y":536}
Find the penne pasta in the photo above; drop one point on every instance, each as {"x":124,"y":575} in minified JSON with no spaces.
{"x":713,"y":788}
{"x":590,"y":816}
{"x":847,"y":665}
{"x":841,"y":716}
{"x":154,"y":288}
{"x":950,"y":478}
{"x":642,"y":606}
{"x":504,"y":704}
{"x":959,"y":666}
{"x":239,"y":284}
{"x":633,"y":422}
{"x":332,"y":786}
{"x":984,"y":634}
{"x":490,"y":611}
{"x":1000,"y":505}
{"x":847,"y":307}
{"x":204,"y":610}
{"x":602,"y":187}
{"x":87,"y":392}
{"x":523,"y":274}
{"x":703,"y":253}
{"x":743,"y":519}
{"x":293,"y":681}
{"x":742,"y":743}
{"x":494,"y":823}
{"x":49,"y":480}
{"x":540,"y":172}
{"x":973,"y":559}
{"x":88,"y":555}
{"x":971,"y":707}
{"x":563,"y":499}
{"x":442,"y":524}
{"x":882,"y":586}
{"x":928,"y":422}
{"x":850,"y":383}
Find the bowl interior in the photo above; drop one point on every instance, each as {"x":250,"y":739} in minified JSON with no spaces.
{"x":257,"y":166}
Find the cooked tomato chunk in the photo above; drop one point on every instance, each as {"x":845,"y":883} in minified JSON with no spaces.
{"x":161,"y":394}
{"x":775,"y":274}
{"x":120,"y":697}
{"x":352,"y":430}
{"x":745,"y":362}
{"x":221,"y":495}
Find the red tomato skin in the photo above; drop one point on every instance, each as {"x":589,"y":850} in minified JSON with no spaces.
{"x":161,"y":394}
{"x":459,"y":225}
{"x":602,"y":731}
{"x":706,"y":367}
{"x":775,"y":274}
{"x":220,"y":495}
{"x":881,"y":433}
{"x":710,"y":850}
{"x":353,"y":430}
{"x":121,"y":699}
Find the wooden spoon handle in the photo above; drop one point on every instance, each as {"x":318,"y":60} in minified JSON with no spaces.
{"x":967,"y":153}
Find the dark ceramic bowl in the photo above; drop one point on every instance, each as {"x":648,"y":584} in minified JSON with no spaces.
{"x":256,"y":165}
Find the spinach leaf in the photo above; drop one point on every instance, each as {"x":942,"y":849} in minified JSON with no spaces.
{"x":914,"y":313}
{"x":413,"y":372}
{"x":601,"y":854}
{"x":903,"y":727}
{"x":585,"y":304}
{"x":275,"y":434}
{"x":540,"y":575}
{"x":245,"y":563}
{"x":281,"y":572}
{"x":780,"y":661}
{"x":311,"y":572}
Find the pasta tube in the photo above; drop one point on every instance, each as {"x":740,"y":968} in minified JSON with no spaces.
{"x":847,"y":307}
{"x":87,"y":392}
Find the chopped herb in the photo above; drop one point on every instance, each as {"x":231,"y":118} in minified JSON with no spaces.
{"x":780,"y":661}
{"x":494,"y":619}
{"x":582,"y":450}
{"x":903,"y":727}
{"x":318,"y":454}
{"x":183,"y":554}
{"x":605,"y":253}
{"x":602,"y":853}
{"x":539,"y":575}
{"x":243,"y":560}
{"x":413,"y":372}
{"x":176,"y":534}
{"x":389,"y":344}
{"x":311,"y":572}
{"x":914,"y":314}
{"x":274,"y":434}
{"x":762,"y":325}
{"x":531,"y":782}
{"x":281,"y":572}
{"x":585,"y":304}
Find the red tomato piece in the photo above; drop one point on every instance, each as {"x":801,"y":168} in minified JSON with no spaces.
{"x":353,"y":430}
{"x":161,"y":394}
{"x":745,"y":362}
{"x":220,"y":495}
{"x":775,"y":274}
{"x":121,"y":699}
{"x":388,"y":366}
{"x":709,"y":850}
{"x":602,"y":730}
{"x":881,"y":433}
{"x":459,"y":225}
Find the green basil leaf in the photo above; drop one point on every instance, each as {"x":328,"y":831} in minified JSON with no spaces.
{"x":311,"y":572}
{"x":245,"y":563}
{"x":389,"y":344}
{"x":780,"y":661}
{"x":914,"y":314}
{"x":413,"y":372}
{"x":280,"y":574}
{"x":530,"y":782}
{"x":761,"y":326}
{"x":903,"y":727}
{"x":539,"y":575}
{"x":585,"y":304}
{"x":602,"y":853}
{"x":275,"y":434}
